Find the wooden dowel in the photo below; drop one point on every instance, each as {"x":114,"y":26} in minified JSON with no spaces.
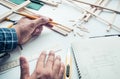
{"x":103,"y":4}
{"x":82,"y":28}
{"x":63,"y":28}
{"x":94,"y":9}
{"x":112,"y":21}
{"x":50,"y":2}
{"x":2,"y":17}
{"x":12,"y":5}
{"x":85,"y":13}
{"x":113,"y":18}
{"x":81,"y":35}
{"x":60,"y":31}
{"x":5,"y":4}
{"x":67,"y":28}
{"x":118,"y":12}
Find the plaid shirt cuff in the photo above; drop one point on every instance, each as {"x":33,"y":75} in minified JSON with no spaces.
{"x":8,"y":39}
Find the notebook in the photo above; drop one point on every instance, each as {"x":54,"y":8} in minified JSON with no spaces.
{"x":97,"y":58}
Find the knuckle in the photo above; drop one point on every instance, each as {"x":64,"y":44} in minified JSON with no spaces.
{"x":43,"y":19}
{"x":32,"y":25}
{"x":57,"y":63}
{"x":51,"y":53}
{"x":43,"y":53}
{"x":38,"y":72}
{"x":48,"y":74}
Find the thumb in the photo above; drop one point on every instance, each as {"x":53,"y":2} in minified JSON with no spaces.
{"x":24,"y":68}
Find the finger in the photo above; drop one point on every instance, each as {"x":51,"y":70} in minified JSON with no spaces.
{"x":50,"y":60}
{"x":37,"y":31}
{"x":41,"y":61}
{"x":24,"y":68}
{"x":41,"y":21}
{"x":62,"y":71}
{"x":38,"y":15}
{"x":57,"y":65}
{"x":49,"y":25}
{"x":23,"y":19}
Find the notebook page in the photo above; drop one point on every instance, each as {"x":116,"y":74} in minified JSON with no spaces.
{"x":98,"y":58}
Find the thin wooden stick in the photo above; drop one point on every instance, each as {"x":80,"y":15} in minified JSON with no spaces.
{"x":60,"y":31}
{"x":63,"y":28}
{"x":83,"y":29}
{"x":12,"y":5}
{"x":6,"y":5}
{"x":94,"y":9}
{"x":103,"y":4}
{"x":12,"y":10}
{"x":85,"y":13}
{"x":116,"y":11}
{"x":79,"y":34}
{"x":49,"y":2}
{"x":113,"y":18}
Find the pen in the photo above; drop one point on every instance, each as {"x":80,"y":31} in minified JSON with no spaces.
{"x":14,"y":22}
{"x":68,"y":65}
{"x":106,"y":36}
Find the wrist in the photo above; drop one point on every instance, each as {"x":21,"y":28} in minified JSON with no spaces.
{"x":18,"y":33}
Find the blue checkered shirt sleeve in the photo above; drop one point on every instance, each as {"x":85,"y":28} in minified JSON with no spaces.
{"x":8,"y":39}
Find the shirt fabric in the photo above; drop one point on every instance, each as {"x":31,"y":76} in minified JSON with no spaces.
{"x":8,"y":39}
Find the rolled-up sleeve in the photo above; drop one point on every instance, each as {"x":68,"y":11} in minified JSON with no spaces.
{"x":8,"y":39}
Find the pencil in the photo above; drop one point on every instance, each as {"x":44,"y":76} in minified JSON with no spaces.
{"x":51,"y":22}
{"x":10,"y":26}
{"x":32,"y":17}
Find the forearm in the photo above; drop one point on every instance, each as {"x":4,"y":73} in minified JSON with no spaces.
{"x":8,"y":39}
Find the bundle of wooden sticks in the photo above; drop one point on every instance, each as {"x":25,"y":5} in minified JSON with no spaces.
{"x":98,"y":7}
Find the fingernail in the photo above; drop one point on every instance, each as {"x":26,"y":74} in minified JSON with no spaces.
{"x":43,"y":53}
{"x":52,"y":52}
{"x":50,"y":19}
{"x":58,"y":57}
{"x":22,"y":61}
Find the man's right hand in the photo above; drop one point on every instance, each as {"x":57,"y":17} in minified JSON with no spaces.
{"x":52,"y":69}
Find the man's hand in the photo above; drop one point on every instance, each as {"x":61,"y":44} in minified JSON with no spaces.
{"x":52,"y":69}
{"x":27,"y":28}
